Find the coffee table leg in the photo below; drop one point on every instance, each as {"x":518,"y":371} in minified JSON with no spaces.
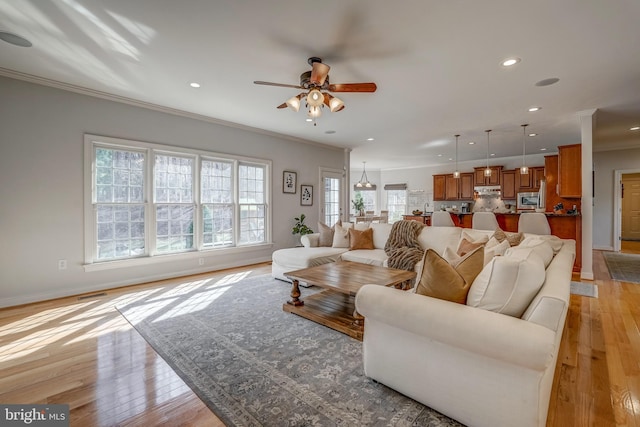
{"x":295,"y":295}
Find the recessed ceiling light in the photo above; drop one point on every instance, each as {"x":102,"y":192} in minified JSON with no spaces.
{"x":439,"y":155}
{"x":15,"y":39}
{"x":450,"y":159}
{"x":493,"y":154}
{"x":548,"y":82}
{"x":194,"y":84}
{"x":308,"y":120}
{"x":635,"y":128}
{"x":329,"y":132}
{"x":510,"y":61}
{"x":533,"y":134}
{"x":543,"y":149}
{"x":534,"y":109}
{"x":370,"y":139}
{"x":471,"y":143}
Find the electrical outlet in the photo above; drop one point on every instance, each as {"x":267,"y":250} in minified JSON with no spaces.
{"x":62,"y":264}
{"x":200,"y":261}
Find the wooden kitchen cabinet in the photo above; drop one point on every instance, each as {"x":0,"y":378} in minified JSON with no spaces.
{"x":439,"y":187}
{"x":459,"y":188}
{"x":508,"y":185}
{"x":530,"y":181}
{"x":570,"y":171}
{"x":494,"y":179}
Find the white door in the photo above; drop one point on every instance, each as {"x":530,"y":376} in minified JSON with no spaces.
{"x":331,"y":203}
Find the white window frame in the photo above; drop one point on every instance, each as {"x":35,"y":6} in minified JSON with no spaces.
{"x":150,"y":256}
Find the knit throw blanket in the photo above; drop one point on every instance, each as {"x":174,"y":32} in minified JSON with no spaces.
{"x":402,"y":247}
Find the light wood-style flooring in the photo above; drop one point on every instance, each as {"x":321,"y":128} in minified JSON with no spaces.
{"x":82,"y":352}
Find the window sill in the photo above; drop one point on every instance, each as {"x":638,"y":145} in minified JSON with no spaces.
{"x":185,"y":256}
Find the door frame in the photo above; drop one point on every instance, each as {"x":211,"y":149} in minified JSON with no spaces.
{"x":332,"y":173}
{"x":617,"y":206}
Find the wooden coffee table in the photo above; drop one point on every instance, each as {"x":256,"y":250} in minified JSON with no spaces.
{"x":334,"y":307}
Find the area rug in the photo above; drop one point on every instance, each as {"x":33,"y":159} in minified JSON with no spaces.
{"x":623,"y":267}
{"x":584,"y":289}
{"x":255,"y":365}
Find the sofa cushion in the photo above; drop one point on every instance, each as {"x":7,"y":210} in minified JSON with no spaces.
{"x":554,"y":241}
{"x":297,"y":258}
{"x":366,"y":256}
{"x":326,"y":234}
{"x":438,"y":238}
{"x":361,"y":239}
{"x":494,"y":248}
{"x":381,"y":232}
{"x":446,"y":281}
{"x":507,"y":285}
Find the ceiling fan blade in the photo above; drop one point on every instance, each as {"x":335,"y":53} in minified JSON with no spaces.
{"x":258,"y":82}
{"x":319,"y":73}
{"x":353,"y":87}
{"x":283,"y":105}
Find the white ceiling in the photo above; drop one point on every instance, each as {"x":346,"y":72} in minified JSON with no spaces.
{"x":437,"y":65}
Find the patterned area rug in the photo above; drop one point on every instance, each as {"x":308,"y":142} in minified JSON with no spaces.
{"x":255,"y":365}
{"x":623,"y":267}
{"x":584,"y":289}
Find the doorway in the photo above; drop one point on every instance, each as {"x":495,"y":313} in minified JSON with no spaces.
{"x":627,"y":211}
{"x":331,"y":195}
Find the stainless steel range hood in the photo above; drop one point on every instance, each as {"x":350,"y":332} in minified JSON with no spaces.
{"x":487,"y":191}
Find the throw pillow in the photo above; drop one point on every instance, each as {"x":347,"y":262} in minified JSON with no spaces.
{"x":450,"y":282}
{"x":527,"y":247}
{"x":326,"y":234}
{"x":341,"y":235}
{"x":507,"y":285}
{"x":361,"y":239}
{"x":494,"y":248}
{"x":465,"y":246}
{"x":513,"y":238}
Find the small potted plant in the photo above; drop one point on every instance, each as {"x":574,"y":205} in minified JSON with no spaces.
{"x":358,"y":204}
{"x":300,"y":228}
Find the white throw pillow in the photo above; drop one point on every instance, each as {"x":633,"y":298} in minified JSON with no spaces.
{"x":494,"y":248}
{"x":381,"y":231}
{"x":526,"y":248}
{"x":341,"y":235}
{"x":555,"y":242}
{"x":507,"y":285}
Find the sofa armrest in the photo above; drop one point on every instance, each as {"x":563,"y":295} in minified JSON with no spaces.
{"x":479,"y":331}
{"x":310,"y":240}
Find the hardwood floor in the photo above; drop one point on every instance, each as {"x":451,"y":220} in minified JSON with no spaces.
{"x":82,"y":352}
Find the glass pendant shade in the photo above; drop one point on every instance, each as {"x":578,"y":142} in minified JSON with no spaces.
{"x":456,"y":174}
{"x":315,"y":112}
{"x":487,"y":171}
{"x":335,"y":104}
{"x":315,"y":98}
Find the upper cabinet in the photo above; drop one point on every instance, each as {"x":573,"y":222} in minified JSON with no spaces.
{"x":481,"y":179}
{"x":570,"y":171}
{"x":446,"y":187}
{"x":508,"y":184}
{"x":531,"y":180}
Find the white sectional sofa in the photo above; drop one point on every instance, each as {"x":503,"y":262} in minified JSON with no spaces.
{"x":477,"y":366}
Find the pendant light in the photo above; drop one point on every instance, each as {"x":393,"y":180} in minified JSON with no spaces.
{"x":456,"y":174}
{"x":364,"y":179}
{"x":524,"y":170}
{"x":487,"y":171}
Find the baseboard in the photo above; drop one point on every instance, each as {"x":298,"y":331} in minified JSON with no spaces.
{"x":603,"y":248}
{"x":586,"y":275}
{"x":64,"y":293}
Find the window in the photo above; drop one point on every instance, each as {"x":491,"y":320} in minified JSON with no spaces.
{"x":145,"y":200}
{"x":396,"y":201}
{"x":369,"y":199}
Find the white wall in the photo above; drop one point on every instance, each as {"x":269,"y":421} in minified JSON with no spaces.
{"x":41,"y":176}
{"x":605,"y":163}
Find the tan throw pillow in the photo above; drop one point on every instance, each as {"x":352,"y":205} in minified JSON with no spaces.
{"x":465,"y":246}
{"x":341,"y":235}
{"x":446,"y":281}
{"x":514,"y":239}
{"x":326,"y":234}
{"x":361,"y":239}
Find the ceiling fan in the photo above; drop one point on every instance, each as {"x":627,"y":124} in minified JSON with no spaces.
{"x":314,"y":82}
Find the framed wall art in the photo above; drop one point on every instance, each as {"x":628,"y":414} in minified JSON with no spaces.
{"x":289,"y":182}
{"x":306,"y":195}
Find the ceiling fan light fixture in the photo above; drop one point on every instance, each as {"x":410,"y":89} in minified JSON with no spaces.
{"x":314,"y":112}
{"x":315,"y":98}
{"x":294,"y":103}
{"x":336,"y":104}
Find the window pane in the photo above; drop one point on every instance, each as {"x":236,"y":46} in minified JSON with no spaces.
{"x":174,"y":228}
{"x":218,"y":225}
{"x":120,"y":231}
{"x":252,"y":207}
{"x":216,"y":186}
{"x":118,"y":177}
{"x":396,"y":203}
{"x":173,"y":177}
